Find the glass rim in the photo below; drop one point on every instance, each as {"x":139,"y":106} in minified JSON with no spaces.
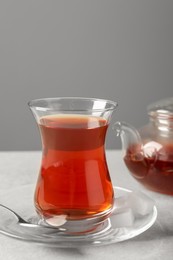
{"x":34,"y":104}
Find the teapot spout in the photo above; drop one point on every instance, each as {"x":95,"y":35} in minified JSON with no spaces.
{"x":129,"y":135}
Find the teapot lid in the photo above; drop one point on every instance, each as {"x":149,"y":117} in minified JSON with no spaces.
{"x":162,"y":108}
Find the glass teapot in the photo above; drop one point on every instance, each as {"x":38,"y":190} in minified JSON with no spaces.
{"x":148,"y":152}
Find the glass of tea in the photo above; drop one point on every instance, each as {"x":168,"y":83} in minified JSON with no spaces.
{"x":74,"y":189}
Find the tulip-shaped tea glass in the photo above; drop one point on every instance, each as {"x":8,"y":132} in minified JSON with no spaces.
{"x":74,"y":190}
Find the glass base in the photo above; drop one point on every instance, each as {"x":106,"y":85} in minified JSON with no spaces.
{"x":71,"y":226}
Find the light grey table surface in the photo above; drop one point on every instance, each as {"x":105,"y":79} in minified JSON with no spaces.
{"x":19,"y":169}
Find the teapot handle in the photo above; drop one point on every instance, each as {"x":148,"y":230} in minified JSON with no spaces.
{"x":131,"y":141}
{"x":129,"y":135}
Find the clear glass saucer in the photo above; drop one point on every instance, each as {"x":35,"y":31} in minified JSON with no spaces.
{"x":111,"y":230}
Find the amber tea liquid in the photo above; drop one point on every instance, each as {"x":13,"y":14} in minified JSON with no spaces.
{"x":74,"y":178}
{"x":155,"y":174}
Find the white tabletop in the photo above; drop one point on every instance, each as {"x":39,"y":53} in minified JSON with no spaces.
{"x":18,"y":169}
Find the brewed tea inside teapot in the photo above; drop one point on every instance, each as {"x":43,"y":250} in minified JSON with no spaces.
{"x":148,"y":152}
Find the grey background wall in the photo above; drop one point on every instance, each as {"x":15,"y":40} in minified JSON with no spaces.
{"x":115,"y":49}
